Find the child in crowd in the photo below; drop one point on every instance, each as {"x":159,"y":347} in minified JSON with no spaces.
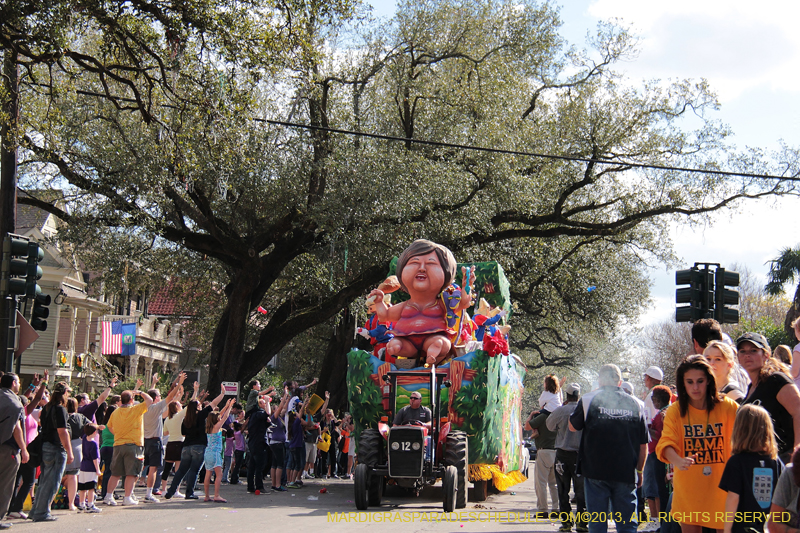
{"x":655,"y":472}
{"x":238,"y":453}
{"x":229,"y":445}
{"x":214,"y":452}
{"x":751,"y":474}
{"x":277,"y":439}
{"x":89,"y":470}
{"x":297,"y":446}
{"x":549,"y":400}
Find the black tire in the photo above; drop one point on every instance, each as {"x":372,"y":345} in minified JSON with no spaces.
{"x":361,"y":487}
{"x":456,"y":453}
{"x":450,"y":489}
{"x":375,"y":491}
{"x":370,"y":448}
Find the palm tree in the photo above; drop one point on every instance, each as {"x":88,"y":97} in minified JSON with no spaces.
{"x":782,"y":270}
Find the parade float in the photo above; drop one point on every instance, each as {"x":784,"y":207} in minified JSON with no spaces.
{"x":464,"y":360}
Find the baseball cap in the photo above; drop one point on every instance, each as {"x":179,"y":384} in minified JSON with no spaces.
{"x":627,"y":386}
{"x":572,"y":389}
{"x":754,"y":338}
{"x":655,"y":373}
{"x":416,"y":394}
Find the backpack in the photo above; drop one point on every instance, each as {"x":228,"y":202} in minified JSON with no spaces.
{"x":35,"y":451}
{"x":35,"y":446}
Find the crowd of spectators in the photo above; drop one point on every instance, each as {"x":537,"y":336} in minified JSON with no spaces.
{"x":723,"y":441}
{"x":77,"y":447}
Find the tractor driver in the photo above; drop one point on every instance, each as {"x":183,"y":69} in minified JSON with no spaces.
{"x":413,"y":412}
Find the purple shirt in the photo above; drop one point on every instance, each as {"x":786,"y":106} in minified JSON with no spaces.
{"x":90,"y":453}
{"x":88,"y":411}
{"x":238,"y":436}
{"x":297,"y":435}
{"x":278,"y":430}
{"x":229,"y":443}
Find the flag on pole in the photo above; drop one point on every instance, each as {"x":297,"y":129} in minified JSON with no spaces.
{"x":129,"y":339}
{"x":112,"y":337}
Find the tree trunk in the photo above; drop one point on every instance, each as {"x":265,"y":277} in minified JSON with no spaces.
{"x":333,"y":371}
{"x":227,"y":349}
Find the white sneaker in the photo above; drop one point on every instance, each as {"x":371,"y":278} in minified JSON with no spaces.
{"x":129,"y":501}
{"x":179,"y":495}
{"x":109,"y":500}
{"x":152,"y":498}
{"x":20,"y":514}
{"x":134,"y":498}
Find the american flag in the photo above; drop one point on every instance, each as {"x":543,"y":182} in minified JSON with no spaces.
{"x":112,"y":338}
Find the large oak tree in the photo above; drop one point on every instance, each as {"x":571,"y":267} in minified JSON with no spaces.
{"x":167,"y":135}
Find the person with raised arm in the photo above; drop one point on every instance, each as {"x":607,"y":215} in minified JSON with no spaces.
{"x":213,"y":453}
{"x":27,"y":472}
{"x":89,"y":408}
{"x":127,"y":425}
{"x":256,"y":425}
{"x":277,"y":443}
{"x":194,"y":445}
{"x":154,"y":431}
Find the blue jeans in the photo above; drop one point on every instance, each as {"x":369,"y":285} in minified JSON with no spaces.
{"x":226,"y":467}
{"x":54,"y":460}
{"x":192,"y":458}
{"x":622,"y":500}
{"x":106,"y":455}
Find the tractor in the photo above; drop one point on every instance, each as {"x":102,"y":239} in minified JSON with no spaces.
{"x":413,"y":456}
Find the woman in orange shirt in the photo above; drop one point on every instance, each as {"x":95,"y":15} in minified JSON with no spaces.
{"x":696,"y":439}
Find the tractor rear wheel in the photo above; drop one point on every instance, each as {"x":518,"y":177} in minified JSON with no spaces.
{"x":370,"y":448}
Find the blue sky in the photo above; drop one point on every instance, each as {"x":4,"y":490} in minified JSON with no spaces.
{"x":750,"y":55}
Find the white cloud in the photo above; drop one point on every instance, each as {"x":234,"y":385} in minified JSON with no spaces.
{"x":734,"y":44}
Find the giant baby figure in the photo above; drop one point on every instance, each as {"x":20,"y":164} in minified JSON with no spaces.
{"x":426,"y":269}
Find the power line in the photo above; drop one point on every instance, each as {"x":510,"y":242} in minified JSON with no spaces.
{"x":521,"y":153}
{"x":494,"y":150}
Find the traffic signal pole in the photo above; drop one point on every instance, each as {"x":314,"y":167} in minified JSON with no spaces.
{"x":706,"y":294}
{"x":8,"y":194}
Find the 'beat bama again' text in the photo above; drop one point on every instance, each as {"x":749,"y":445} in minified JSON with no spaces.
{"x":707,"y":446}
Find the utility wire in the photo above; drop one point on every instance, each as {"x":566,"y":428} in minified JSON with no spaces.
{"x":527,"y":154}
{"x":494,"y":150}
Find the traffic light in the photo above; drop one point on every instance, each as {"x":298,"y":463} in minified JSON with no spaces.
{"x":20,"y":272}
{"x":33,"y":272}
{"x":40,"y":312}
{"x":14,"y":264}
{"x":724,"y":298}
{"x":699,"y":295}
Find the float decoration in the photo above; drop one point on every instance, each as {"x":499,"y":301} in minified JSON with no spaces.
{"x":484,"y":399}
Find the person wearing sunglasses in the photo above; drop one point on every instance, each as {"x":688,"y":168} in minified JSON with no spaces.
{"x":772,"y":388}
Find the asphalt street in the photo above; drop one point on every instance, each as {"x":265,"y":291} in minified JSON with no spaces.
{"x":309,"y":510}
